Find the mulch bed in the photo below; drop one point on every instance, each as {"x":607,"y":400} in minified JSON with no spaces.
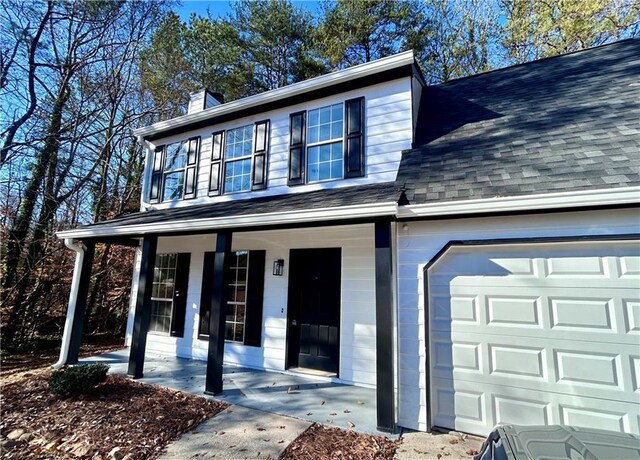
{"x":319,"y":442}
{"x":139,"y":419}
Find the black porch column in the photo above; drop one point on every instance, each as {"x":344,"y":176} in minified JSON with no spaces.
{"x":213,"y":385}
{"x":385,"y":397}
{"x":143,"y":307}
{"x":81,"y":302}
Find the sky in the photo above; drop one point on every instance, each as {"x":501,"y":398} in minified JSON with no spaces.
{"x":220,"y":8}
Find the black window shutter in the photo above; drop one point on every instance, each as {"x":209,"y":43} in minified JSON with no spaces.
{"x":205,"y":293}
{"x":180,"y":294}
{"x":215,"y":173}
{"x":255,"y":293}
{"x":354,"y":142}
{"x":260,"y":148}
{"x":297,"y":140}
{"x":191,"y":170}
{"x":156,"y":174}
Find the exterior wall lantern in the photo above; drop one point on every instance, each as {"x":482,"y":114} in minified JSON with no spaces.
{"x":278,"y":267}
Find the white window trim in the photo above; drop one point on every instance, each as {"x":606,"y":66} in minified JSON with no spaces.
{"x":226,"y":161}
{"x":166,"y":172}
{"x":321,"y":143}
{"x":244,"y":304}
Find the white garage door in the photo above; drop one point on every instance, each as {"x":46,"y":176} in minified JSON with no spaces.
{"x":536,"y":334}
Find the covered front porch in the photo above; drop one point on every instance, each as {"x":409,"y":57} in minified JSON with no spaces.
{"x":316,"y":399}
{"x":336,"y":259}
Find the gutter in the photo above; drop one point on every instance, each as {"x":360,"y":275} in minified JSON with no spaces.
{"x":79,"y":248}
{"x":452,"y":209}
{"x":230,"y":222}
{"x":558,"y":200}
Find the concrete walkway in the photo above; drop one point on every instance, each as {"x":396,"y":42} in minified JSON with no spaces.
{"x":238,"y":433}
{"x":270,"y":409}
{"x":305,"y":397}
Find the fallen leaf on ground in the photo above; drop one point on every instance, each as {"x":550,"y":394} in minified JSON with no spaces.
{"x":320,"y":442}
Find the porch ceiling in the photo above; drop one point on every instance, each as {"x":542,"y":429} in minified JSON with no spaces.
{"x":337,"y":204}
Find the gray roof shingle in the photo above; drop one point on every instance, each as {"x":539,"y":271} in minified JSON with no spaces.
{"x":327,"y":198}
{"x":566,"y":123}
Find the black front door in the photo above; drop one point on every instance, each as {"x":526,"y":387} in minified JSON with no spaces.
{"x":314,"y":309}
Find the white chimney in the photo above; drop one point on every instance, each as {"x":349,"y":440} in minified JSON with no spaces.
{"x":204,"y":99}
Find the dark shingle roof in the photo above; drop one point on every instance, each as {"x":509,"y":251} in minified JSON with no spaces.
{"x":566,"y":123}
{"x":327,"y":198}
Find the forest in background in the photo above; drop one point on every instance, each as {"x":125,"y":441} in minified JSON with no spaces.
{"x":76,"y":77}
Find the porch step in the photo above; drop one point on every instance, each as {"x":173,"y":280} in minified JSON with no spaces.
{"x":315,"y":372}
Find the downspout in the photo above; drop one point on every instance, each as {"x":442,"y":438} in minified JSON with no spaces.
{"x":79,"y":248}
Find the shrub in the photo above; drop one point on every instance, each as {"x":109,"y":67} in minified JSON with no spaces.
{"x":76,"y":380}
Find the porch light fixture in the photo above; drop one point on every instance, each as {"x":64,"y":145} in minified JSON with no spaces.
{"x":278,"y":267}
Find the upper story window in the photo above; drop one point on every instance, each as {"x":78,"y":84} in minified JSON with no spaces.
{"x":173,"y":175}
{"x":327,"y":143}
{"x":174,"y":163}
{"x":237,"y":159}
{"x":324,"y":148}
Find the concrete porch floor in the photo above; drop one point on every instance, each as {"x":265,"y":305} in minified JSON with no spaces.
{"x":304,"y":397}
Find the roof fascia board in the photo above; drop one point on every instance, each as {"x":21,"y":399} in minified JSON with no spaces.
{"x":398,"y":61}
{"x":250,"y":220}
{"x":559,"y":200}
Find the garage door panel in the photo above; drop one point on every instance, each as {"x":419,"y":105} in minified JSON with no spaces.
{"x":544,"y":333}
{"x":453,"y":285}
{"x":629,"y":266}
{"x":631,"y":313}
{"x":554,"y":334}
{"x":596,"y":369}
{"x":608,"y":319}
{"x":603,"y":419}
{"x":514,"y":405}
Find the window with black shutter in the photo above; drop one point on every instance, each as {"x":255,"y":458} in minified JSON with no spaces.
{"x":239,"y":158}
{"x":327,"y":143}
{"x":260,"y":147}
{"x":353,"y":148}
{"x":243,"y":322}
{"x":175,"y":170}
{"x":216,"y":163}
{"x":297,"y":152}
{"x":156,"y":174}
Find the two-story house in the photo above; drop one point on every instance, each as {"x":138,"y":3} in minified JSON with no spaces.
{"x":470,"y":250}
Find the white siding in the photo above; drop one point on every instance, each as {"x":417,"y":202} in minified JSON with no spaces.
{"x":419,"y":242}
{"x":388,"y":131}
{"x":357,"y":314}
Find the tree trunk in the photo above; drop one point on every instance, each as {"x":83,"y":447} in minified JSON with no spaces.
{"x":20,"y":228}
